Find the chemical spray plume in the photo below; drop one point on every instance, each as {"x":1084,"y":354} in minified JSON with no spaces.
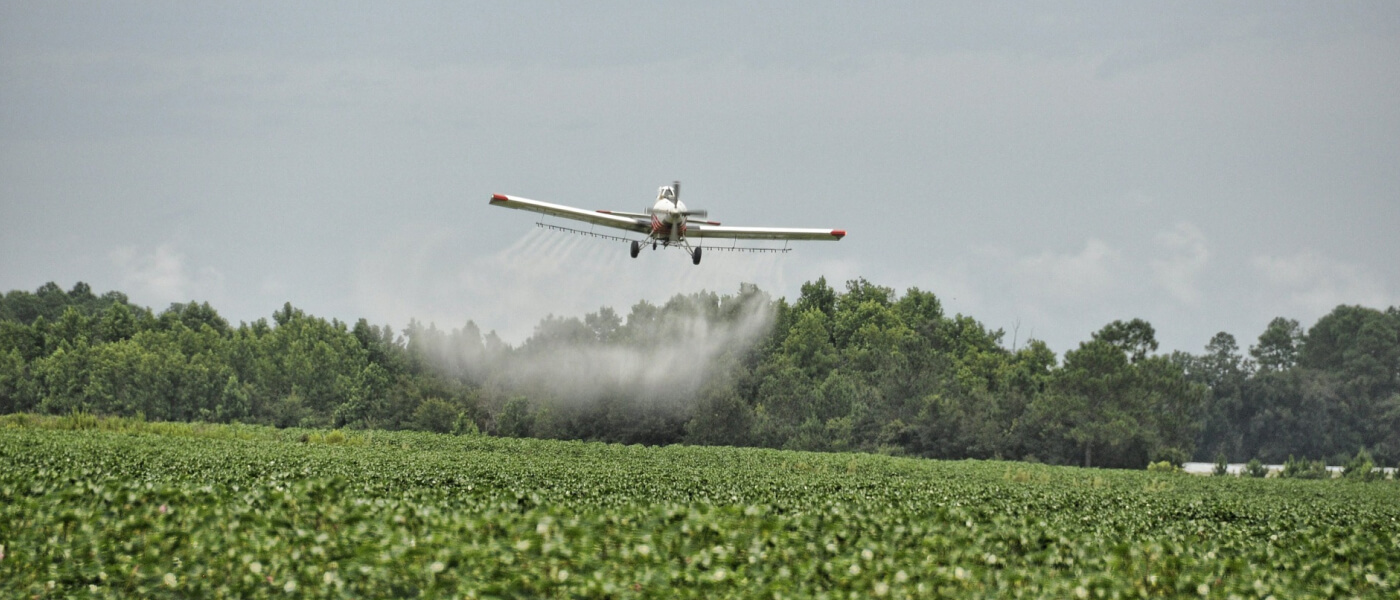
{"x":659,"y":354}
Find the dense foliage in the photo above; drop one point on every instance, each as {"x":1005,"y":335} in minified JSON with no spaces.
{"x":862,"y":369}
{"x":168,"y":511}
{"x":1322,"y":393}
{"x":171,"y":511}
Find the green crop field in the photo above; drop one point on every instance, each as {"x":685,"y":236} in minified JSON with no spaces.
{"x":119,"y":508}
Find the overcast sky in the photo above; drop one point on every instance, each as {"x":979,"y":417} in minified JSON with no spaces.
{"x":1044,"y":168}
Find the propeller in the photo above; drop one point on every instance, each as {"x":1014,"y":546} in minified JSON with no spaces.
{"x":676,"y":198}
{"x":675,"y":202}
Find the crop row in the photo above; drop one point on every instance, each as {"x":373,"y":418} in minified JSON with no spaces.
{"x":403,"y":514}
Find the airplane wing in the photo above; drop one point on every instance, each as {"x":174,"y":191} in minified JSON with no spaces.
{"x":596,"y":217}
{"x":626,"y":214}
{"x":763,"y":233}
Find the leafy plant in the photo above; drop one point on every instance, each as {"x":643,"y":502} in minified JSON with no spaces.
{"x":1162,"y":467}
{"x":1254,"y":468}
{"x":465,"y":425}
{"x":1222,"y":465}
{"x":152,"y":513}
{"x":1304,"y":469}
{"x":1362,"y":468}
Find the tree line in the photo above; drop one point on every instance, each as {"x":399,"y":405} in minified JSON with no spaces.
{"x":864,"y":369}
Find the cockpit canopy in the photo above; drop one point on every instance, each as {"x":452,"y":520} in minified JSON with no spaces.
{"x":666,"y":193}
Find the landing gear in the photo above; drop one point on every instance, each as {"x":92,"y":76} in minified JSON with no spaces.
{"x":636,"y":248}
{"x":695,"y":255}
{"x":653,"y":244}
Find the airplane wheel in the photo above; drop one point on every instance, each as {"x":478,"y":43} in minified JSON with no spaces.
{"x":636,"y":248}
{"x":653,"y":244}
{"x":695,"y":256}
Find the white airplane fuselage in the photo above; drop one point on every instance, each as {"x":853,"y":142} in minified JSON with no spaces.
{"x":668,"y":220}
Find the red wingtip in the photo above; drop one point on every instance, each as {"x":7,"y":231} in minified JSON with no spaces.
{"x":838,"y":233}
{"x":498,"y":198}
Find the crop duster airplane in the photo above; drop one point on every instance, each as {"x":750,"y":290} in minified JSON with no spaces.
{"x":667,"y":223}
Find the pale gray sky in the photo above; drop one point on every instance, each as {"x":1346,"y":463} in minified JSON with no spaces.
{"x":1204,"y":166}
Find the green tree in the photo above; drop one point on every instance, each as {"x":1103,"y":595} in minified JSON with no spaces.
{"x":366,"y":395}
{"x":71,"y":329}
{"x":60,"y":379}
{"x":235,"y":400}
{"x":1292,"y":412}
{"x":13,"y":382}
{"x":465,"y":425}
{"x":51,"y":301}
{"x":516,"y":419}
{"x":1362,"y":468}
{"x":436,"y":415}
{"x":818,"y":296}
{"x":721,"y":418}
{"x":1360,"y":344}
{"x":921,"y":311}
{"x":290,"y":410}
{"x":25,"y":339}
{"x":1096,"y":400}
{"x":117,"y":324}
{"x":318,"y":360}
{"x":1172,"y":407}
{"x":603,"y":323}
{"x":1277,"y":349}
{"x":193,"y":315}
{"x":808,"y":345}
{"x":1136,"y":338}
{"x":1225,"y":372}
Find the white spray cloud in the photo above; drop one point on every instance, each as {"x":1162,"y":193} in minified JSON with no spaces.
{"x":537,"y":291}
{"x":657,"y":355}
{"x":666,"y":359}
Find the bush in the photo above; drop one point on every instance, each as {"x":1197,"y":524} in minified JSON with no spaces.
{"x":1256,"y":469}
{"x":1162,"y":467}
{"x":289,"y":411}
{"x":77,"y":421}
{"x":1304,"y":469}
{"x":435,"y":415}
{"x":1222,"y":465}
{"x":465,"y":425}
{"x":335,"y":437}
{"x":1362,"y":468}
{"x":1173,"y":455}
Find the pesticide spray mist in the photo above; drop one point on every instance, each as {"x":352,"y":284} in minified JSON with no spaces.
{"x":637,"y":380}
{"x":661,"y":353}
{"x":664,"y":352}
{"x":657,"y":357}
